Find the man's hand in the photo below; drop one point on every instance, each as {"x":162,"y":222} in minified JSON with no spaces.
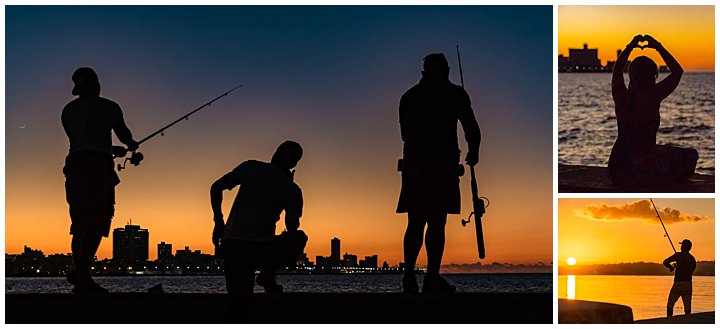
{"x":133,"y":146}
{"x":670,"y":267}
{"x":218,"y":231}
{"x":472,"y":158}
{"x":119,"y":151}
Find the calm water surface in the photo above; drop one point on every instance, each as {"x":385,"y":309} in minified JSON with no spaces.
{"x":375,"y":283}
{"x":645,"y":294}
{"x":587,"y":127}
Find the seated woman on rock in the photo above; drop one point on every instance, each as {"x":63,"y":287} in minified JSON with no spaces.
{"x":635,"y":158}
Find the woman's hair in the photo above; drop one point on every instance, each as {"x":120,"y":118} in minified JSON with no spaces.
{"x":643,"y":72}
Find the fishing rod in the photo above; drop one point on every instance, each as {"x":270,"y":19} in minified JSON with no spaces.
{"x":663,"y":225}
{"x":457,"y":49}
{"x":136,"y":156}
{"x":478,"y":202}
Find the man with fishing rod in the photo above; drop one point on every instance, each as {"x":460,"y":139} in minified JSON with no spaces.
{"x":429,"y":113}
{"x":90,"y":177}
{"x":684,"y":267}
{"x":682,"y":285}
{"x":247,"y":241}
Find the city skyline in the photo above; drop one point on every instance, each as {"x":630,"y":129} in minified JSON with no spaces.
{"x":688,"y":32}
{"x":329,"y":78}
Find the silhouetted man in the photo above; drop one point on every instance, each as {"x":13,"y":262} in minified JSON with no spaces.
{"x":684,"y":268}
{"x":248,"y":241}
{"x":429,"y":113}
{"x":90,"y":176}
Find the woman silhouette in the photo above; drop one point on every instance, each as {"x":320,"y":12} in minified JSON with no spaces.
{"x":635,"y":158}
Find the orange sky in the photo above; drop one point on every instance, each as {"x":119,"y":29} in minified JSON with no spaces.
{"x":629,"y":240}
{"x":330,"y":78}
{"x":687,"y":32}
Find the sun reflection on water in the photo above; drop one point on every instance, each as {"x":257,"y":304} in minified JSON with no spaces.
{"x":570,"y":287}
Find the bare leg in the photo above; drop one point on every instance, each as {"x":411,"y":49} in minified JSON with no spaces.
{"x":87,"y":245}
{"x":435,"y":242}
{"x":413,"y":241}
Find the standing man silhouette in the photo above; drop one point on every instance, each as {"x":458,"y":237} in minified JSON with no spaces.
{"x":90,"y":176}
{"x":682,"y":285}
{"x":248,"y":241}
{"x":429,"y":113}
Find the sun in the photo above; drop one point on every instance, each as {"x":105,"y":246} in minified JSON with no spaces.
{"x":571,"y":261}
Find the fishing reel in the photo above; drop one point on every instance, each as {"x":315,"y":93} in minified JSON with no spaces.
{"x":484,"y":203}
{"x":134,"y":158}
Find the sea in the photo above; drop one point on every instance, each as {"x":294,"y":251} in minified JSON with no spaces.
{"x":587,"y":126}
{"x":645,"y":294}
{"x":342,"y":283}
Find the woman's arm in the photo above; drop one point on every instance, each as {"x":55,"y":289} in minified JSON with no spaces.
{"x":667,"y":86}
{"x":618,"y":80}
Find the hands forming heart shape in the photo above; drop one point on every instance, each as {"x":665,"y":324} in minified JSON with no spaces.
{"x":644,"y":41}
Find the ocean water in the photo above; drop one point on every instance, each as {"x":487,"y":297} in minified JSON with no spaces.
{"x":587,"y":127}
{"x":645,"y":294}
{"x":351,"y":283}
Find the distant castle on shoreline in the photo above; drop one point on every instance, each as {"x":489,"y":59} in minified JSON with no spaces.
{"x":585,"y":60}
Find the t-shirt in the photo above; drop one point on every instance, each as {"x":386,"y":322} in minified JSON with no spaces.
{"x":265,"y":191}
{"x":685,"y":266}
{"x":88,"y":122}
{"x":429,"y":114}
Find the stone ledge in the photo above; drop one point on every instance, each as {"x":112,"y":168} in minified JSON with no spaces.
{"x":280,"y":308}
{"x":588,"y":179}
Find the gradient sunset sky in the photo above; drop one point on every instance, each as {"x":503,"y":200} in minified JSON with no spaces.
{"x":627,"y":230}
{"x":688,"y":32}
{"x":328,"y":77}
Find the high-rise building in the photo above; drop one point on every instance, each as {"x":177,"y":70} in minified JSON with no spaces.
{"x":335,"y":252}
{"x":130,"y":244}
{"x":164,"y":251}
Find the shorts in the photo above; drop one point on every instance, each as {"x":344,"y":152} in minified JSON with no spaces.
{"x":90,"y":181}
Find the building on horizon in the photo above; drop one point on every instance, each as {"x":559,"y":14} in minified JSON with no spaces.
{"x":334,"y":252}
{"x":164,"y":251}
{"x":130,"y":245}
{"x":583,"y":60}
{"x":350,"y":260}
{"x":369,"y":262}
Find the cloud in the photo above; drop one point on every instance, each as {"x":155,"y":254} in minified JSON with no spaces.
{"x":639,"y":210}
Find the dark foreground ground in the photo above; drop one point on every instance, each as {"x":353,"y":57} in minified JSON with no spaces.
{"x":280,"y":308}
{"x":587,"y":179}
{"x":697,"y":318}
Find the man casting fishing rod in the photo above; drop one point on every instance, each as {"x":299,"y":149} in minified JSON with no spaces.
{"x":682,"y":286}
{"x":90,"y":177}
{"x":684,"y":266}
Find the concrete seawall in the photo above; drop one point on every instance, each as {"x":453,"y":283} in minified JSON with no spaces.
{"x":280,"y":308}
{"x":581,"y":311}
{"x":588,"y":179}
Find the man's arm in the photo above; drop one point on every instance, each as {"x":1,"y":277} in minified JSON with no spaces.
{"x":227,"y":182}
{"x":472,"y":131}
{"x":123,"y":132}
{"x":293,"y":210}
{"x":667,"y":261}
